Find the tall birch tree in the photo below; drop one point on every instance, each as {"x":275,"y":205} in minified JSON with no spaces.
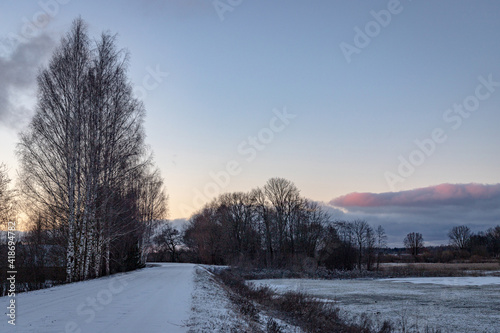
{"x":83,"y":157}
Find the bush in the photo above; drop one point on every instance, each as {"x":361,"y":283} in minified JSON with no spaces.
{"x":273,"y":327}
{"x":447,"y":256}
{"x":248,"y":309}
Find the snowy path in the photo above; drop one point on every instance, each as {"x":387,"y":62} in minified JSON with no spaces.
{"x":154,"y":299}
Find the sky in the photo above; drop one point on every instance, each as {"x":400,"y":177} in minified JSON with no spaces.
{"x":340,"y":97}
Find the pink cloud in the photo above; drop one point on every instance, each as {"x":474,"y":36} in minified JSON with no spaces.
{"x":444,"y":194}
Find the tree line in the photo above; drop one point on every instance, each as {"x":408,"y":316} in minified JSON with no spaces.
{"x":87,"y":181}
{"x":467,"y":243}
{"x":274,"y":226}
{"x":463,"y":244}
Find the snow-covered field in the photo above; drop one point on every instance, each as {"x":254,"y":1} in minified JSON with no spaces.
{"x":187,"y":298}
{"x":455,"y":304}
{"x":452,"y":281}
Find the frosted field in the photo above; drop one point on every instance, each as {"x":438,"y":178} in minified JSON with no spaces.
{"x":179,"y":298}
{"x":454,"y":304}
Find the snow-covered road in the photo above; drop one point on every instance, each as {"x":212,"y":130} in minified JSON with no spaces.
{"x":154,"y":299}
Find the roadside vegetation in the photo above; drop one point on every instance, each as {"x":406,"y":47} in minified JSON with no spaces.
{"x":299,"y":309}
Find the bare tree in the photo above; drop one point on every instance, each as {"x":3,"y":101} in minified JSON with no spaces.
{"x":347,"y":247}
{"x":364,"y":239}
{"x":344,"y":230}
{"x":237,"y":216}
{"x":414,"y":243}
{"x":493,"y":240}
{"x":381,"y":243}
{"x":204,"y":236}
{"x":309,"y":227}
{"x":330,"y":245}
{"x":7,"y":198}
{"x":264,"y":223}
{"x":284,"y":198}
{"x":271,"y":226}
{"x":168,"y":240}
{"x":50,"y":151}
{"x":460,"y":237}
{"x":151,"y":204}
{"x":83,"y":158}
{"x":371,"y":240}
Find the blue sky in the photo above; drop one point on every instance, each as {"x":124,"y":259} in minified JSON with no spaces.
{"x":353,"y":120}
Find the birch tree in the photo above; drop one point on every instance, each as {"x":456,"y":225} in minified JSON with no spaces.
{"x":7,"y":196}
{"x":83,"y":157}
{"x":50,"y":150}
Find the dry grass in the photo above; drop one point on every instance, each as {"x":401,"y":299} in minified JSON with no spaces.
{"x":443,"y":269}
{"x":483,"y":266}
{"x":310,"y":314}
{"x":387,"y":270}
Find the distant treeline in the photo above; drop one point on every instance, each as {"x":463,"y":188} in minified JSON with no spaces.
{"x":274,"y":226}
{"x":466,"y":244}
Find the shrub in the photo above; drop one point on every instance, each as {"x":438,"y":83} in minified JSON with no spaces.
{"x":273,"y":327}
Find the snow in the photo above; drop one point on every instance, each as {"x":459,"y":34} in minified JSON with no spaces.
{"x":154,"y":299}
{"x":214,"y":311}
{"x":464,"y":304}
{"x":451,"y":281}
{"x":211,"y":310}
{"x":163,"y":297}
{"x":168,"y":297}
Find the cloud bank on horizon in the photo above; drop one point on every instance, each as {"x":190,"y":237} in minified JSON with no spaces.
{"x":444,"y":194}
{"x":432,"y":210}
